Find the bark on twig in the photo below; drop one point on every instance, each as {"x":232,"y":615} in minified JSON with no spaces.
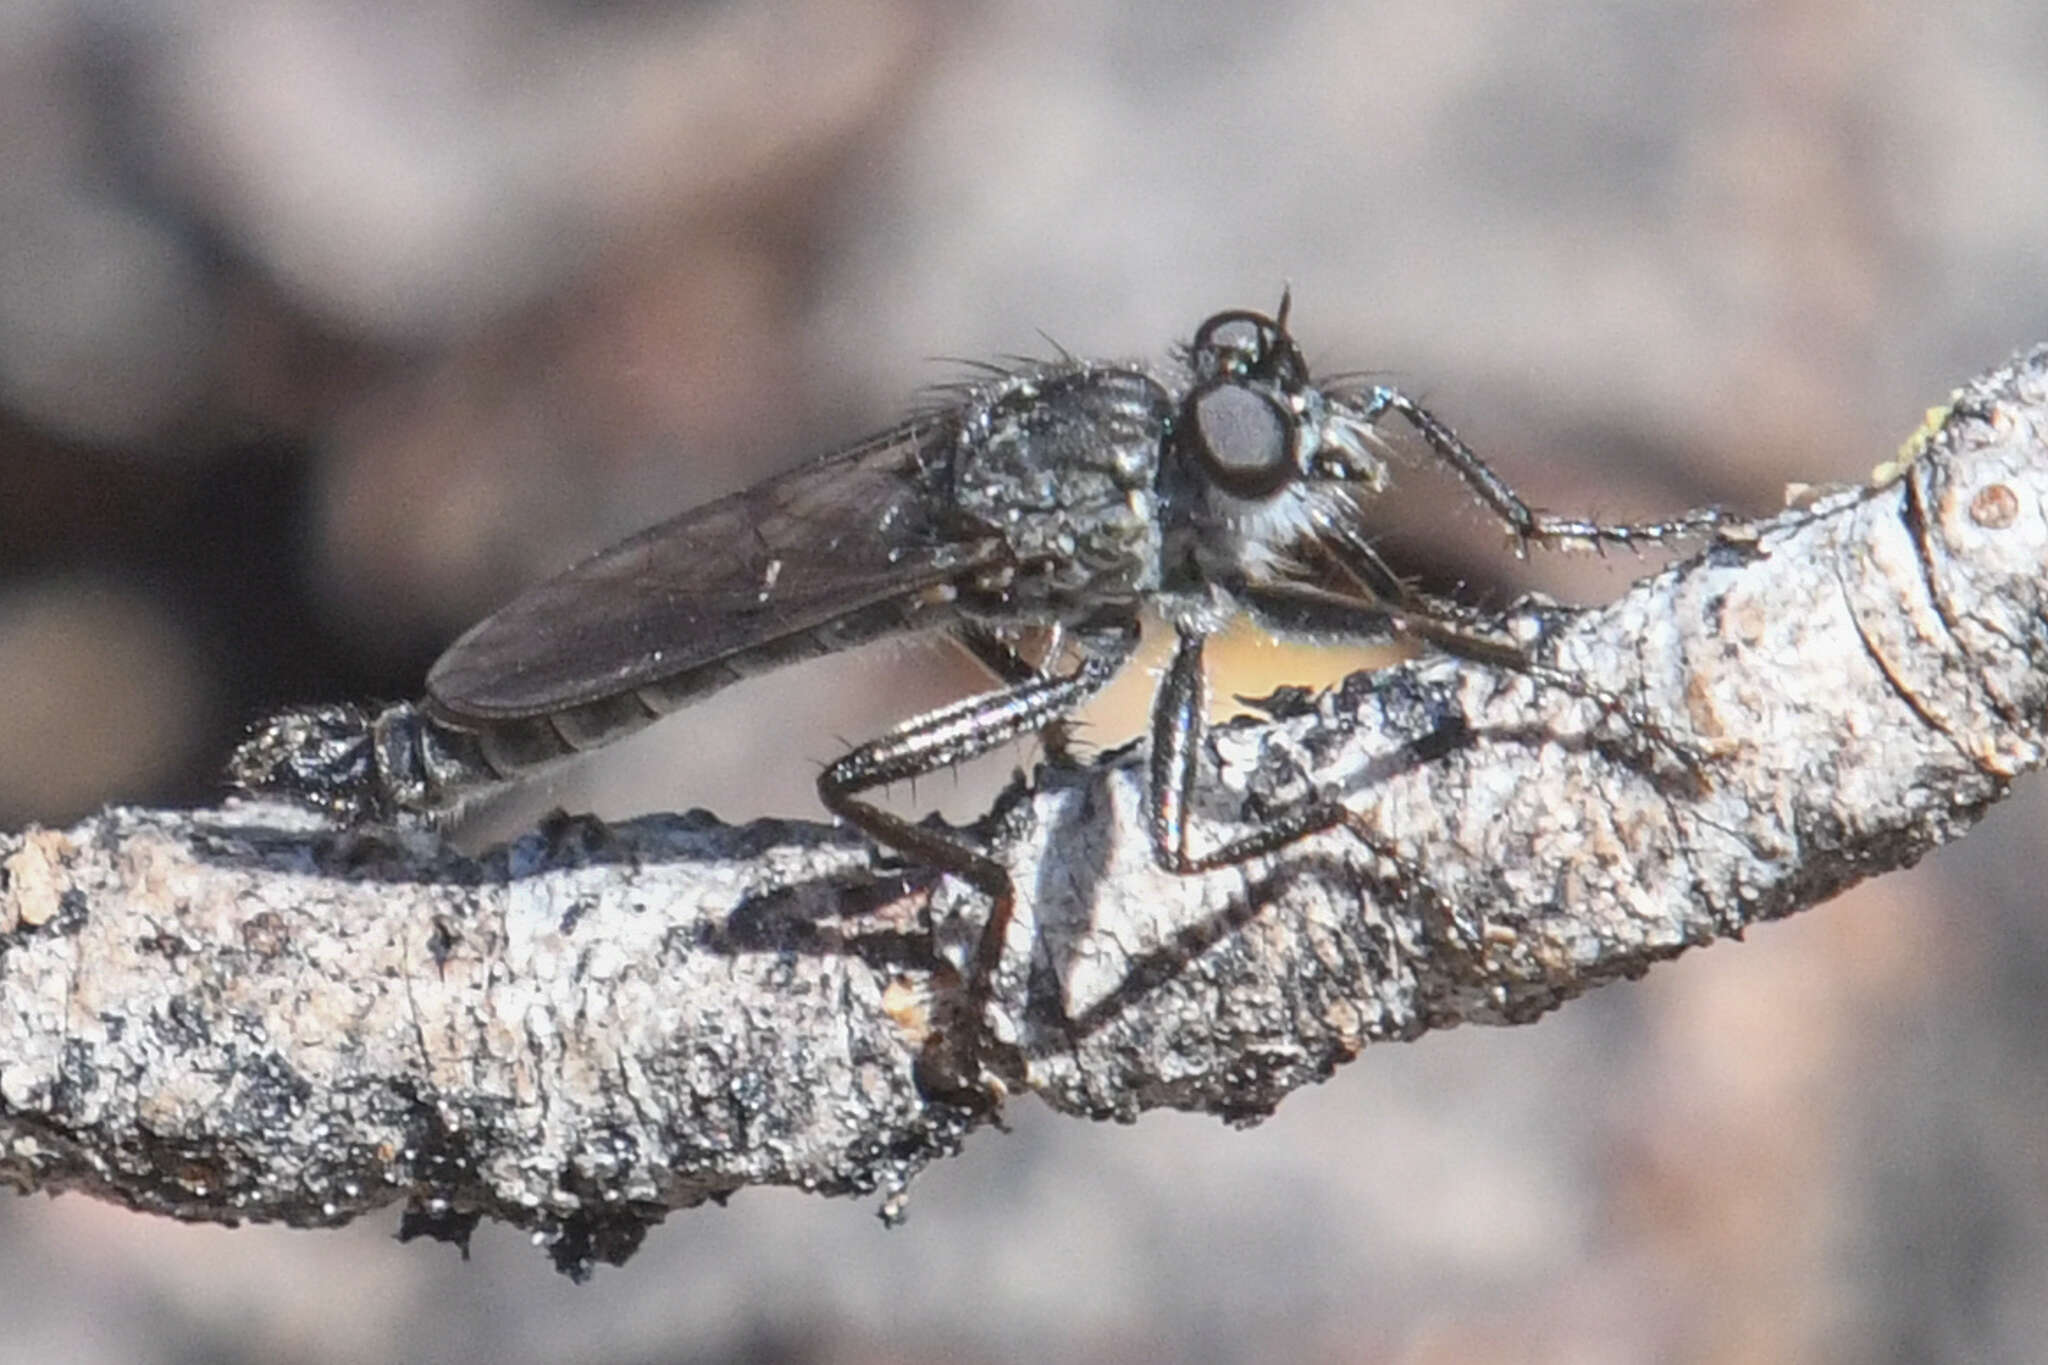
{"x":239,"y":1014}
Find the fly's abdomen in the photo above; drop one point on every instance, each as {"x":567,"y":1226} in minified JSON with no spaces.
{"x":514,"y":745}
{"x":360,"y":765}
{"x":429,"y":759}
{"x":878,"y":620}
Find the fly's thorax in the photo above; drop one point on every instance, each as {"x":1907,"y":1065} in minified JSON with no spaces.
{"x":1232,"y":540}
{"x":1063,"y":464}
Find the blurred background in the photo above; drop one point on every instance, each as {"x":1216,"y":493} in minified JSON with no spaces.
{"x":324,"y":327}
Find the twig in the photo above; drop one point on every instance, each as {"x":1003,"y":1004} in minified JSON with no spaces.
{"x":240,"y":1014}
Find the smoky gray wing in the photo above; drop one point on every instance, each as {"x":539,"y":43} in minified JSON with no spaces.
{"x":851,"y":547}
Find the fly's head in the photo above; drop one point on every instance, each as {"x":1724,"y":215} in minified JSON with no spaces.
{"x":1262,"y":459}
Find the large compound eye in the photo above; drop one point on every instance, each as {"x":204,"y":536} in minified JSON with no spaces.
{"x":1242,"y":439}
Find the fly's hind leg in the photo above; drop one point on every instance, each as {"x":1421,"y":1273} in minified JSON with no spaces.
{"x":954,"y":734}
{"x":996,"y":653}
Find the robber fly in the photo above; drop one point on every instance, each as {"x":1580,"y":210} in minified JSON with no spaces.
{"x":1059,"y":498}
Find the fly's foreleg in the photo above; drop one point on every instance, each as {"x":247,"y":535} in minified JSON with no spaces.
{"x":1524,"y":522}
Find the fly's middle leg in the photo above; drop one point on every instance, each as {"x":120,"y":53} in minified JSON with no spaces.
{"x":1384,"y":602}
{"x":1179,"y":718}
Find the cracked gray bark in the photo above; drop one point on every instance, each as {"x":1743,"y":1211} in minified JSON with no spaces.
{"x":241,"y":1014}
